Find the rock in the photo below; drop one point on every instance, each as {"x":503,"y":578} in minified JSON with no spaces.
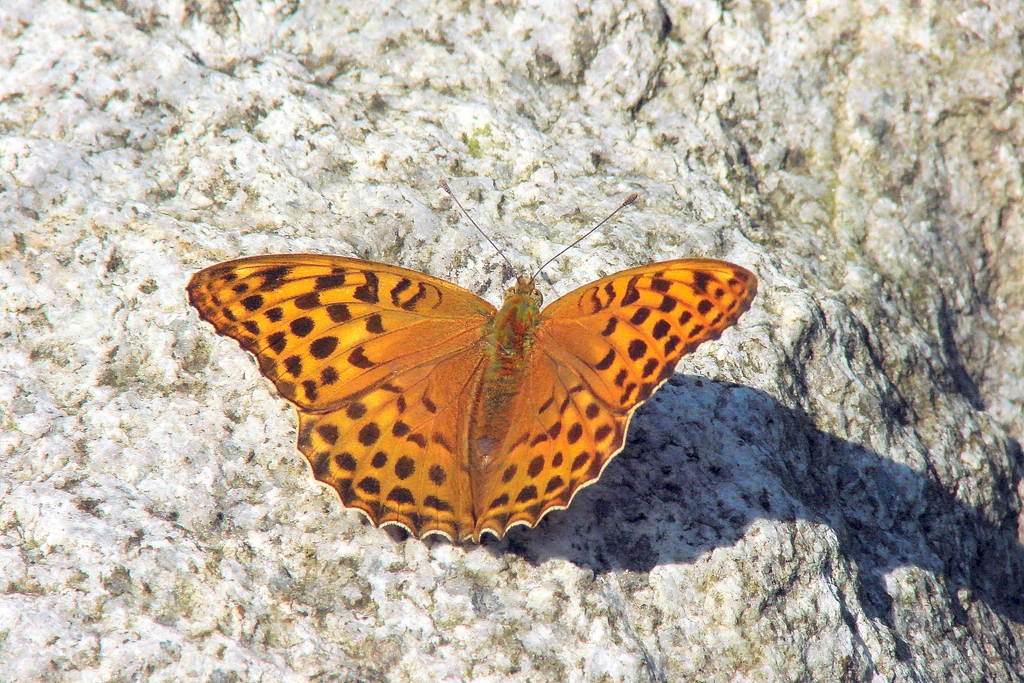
{"x":831,"y":491}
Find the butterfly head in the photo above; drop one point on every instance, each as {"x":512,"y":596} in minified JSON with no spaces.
{"x":524,"y":294}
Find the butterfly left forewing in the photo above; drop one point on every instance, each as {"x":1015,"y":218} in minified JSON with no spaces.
{"x":324,"y":328}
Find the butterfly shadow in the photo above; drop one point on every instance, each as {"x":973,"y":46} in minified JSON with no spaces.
{"x":706,"y":459}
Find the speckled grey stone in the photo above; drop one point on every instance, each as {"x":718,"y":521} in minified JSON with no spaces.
{"x":831,"y":492}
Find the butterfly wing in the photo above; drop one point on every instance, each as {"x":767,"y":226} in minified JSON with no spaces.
{"x":375,"y":359}
{"x":599,"y":352}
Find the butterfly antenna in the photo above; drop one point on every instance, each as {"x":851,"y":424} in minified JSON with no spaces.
{"x":444,"y":184}
{"x":629,"y":200}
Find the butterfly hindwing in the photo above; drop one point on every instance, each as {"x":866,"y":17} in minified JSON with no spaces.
{"x":562,"y":436}
{"x":397,"y":452}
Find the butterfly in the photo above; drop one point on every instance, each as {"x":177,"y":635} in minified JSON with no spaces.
{"x":426,"y":407}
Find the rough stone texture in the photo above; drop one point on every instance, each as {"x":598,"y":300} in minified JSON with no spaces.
{"x":832,"y":492}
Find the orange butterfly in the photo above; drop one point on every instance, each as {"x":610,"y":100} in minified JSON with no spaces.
{"x":424,"y":406}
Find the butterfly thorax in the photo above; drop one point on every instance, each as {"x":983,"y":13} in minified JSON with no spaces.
{"x":507,"y":344}
{"x":514,"y":325}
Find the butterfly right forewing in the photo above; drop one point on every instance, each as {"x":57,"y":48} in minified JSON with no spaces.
{"x":626,"y":332}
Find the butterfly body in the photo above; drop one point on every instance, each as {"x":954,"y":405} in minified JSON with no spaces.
{"x":508,"y":346}
{"x":424,"y":406}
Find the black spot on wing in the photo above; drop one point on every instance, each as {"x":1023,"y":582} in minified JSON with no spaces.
{"x":369,"y":434}
{"x":339,"y":313}
{"x":536,"y":467}
{"x":374,"y":324}
{"x":328,"y":433}
{"x":574,"y":433}
{"x":527,"y":494}
{"x":397,"y":290}
{"x":637,"y":349}
{"x":277,"y":342}
{"x":402,"y":496}
{"x":369,"y":485}
{"x":660,"y":284}
{"x":358,"y":358}
{"x":437,"y":475}
{"x":641,"y":314}
{"x":307,"y":301}
{"x":293,"y":364}
{"x":437,"y":504}
{"x":325,"y":282}
{"x":300,"y":327}
{"x":405,"y":467}
{"x":272,"y":277}
{"x":632,"y":294}
{"x":252,"y":303}
{"x":368,"y":291}
{"x":701,"y":280}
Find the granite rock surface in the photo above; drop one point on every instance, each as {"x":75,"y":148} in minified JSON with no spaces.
{"x":830,"y":492}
